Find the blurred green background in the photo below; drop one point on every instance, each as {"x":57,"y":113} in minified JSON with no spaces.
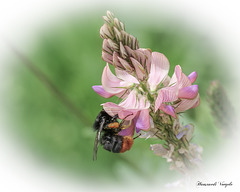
{"x":69,"y":53}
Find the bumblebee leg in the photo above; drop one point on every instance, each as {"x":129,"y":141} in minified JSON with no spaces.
{"x":97,"y":139}
{"x":115,"y":117}
{"x":137,"y":136}
{"x":125,"y":126}
{"x":121,"y":124}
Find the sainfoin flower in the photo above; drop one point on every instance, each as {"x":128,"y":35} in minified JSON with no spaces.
{"x":139,"y":92}
{"x":180,"y":92}
{"x":149,"y":100}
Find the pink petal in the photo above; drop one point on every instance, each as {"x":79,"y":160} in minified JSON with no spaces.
{"x":138,"y":68}
{"x":189,"y":92}
{"x":110,"y":82}
{"x":183,"y":80}
{"x":178,"y":72}
{"x":128,"y":131}
{"x":166,"y":81}
{"x":167,"y":94}
{"x":127,"y":114}
{"x":142,"y":102}
{"x":179,"y":78}
{"x":158,"y":71}
{"x":186,"y":104}
{"x":123,"y":95}
{"x":197,"y":102}
{"x":170,"y":93}
{"x":130,"y":102}
{"x":159,"y":100}
{"x":192,"y":77}
{"x":143,"y":121}
{"x":111,"y":108}
{"x":168,"y":109}
{"x":121,"y":74}
{"x":100,"y":91}
{"x":176,"y":76}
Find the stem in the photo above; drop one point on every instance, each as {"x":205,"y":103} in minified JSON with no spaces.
{"x":52,"y":87}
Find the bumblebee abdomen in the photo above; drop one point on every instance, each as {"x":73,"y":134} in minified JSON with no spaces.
{"x":126,"y":144}
{"x":112,"y":143}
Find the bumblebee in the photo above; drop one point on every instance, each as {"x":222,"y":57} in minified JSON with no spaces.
{"x":107,"y":128}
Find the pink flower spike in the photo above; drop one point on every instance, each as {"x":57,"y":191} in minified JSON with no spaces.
{"x":100,"y":91}
{"x":168,"y":109}
{"x":143,"y":121}
{"x":192,"y":76}
{"x":158,"y":71}
{"x":189,"y":92}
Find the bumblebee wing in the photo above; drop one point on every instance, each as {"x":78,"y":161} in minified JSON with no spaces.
{"x":97,"y":140}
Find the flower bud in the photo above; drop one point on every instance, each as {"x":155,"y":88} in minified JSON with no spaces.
{"x":106,"y":47}
{"x":107,"y":57}
{"x":106,"y":32}
{"x":118,"y":24}
{"x":114,"y":46}
{"x":117,"y":34}
{"x":110,"y":14}
{"x":116,"y":62}
{"x":125,"y":64}
{"x":130,"y":52}
{"x":123,"y":52}
{"x":107,"y":20}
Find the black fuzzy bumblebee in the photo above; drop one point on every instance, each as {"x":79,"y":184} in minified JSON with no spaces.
{"x":107,"y":128}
